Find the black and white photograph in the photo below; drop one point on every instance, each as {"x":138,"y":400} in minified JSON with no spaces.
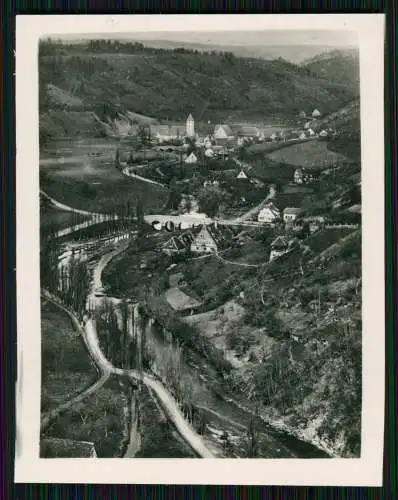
{"x":199,"y":245}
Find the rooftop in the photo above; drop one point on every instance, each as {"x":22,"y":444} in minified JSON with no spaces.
{"x":292,"y":210}
{"x":179,"y":300}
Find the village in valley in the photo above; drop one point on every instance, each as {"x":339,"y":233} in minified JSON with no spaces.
{"x":211,"y":261}
{"x":216,"y":159}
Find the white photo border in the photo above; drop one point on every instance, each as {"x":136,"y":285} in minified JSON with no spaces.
{"x":363,"y":471}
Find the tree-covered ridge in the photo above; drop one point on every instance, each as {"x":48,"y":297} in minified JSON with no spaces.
{"x":107,"y":77}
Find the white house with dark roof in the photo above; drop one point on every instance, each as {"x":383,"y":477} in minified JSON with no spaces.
{"x":211,"y":238}
{"x":290,"y":214}
{"x":222,"y":131}
{"x":269,"y":213}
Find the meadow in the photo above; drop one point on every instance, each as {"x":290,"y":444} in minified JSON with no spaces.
{"x":67,"y":371}
{"x":100,"y":419}
{"x":307,"y":154}
{"x":82,"y":174}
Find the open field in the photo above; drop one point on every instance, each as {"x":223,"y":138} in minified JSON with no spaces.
{"x":100,"y":419}
{"x":269,"y":147}
{"x":66,"y":365}
{"x":307,"y":154}
{"x":84,"y":176}
{"x":158,"y":437}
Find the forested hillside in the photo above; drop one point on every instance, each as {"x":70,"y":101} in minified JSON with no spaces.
{"x":84,"y":85}
{"x":339,"y":66}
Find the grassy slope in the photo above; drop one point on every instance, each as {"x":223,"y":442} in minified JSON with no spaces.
{"x":158,"y":438}
{"x":93,"y":183}
{"x":125,"y":277}
{"x":169,"y":84}
{"x":337,"y":66}
{"x":100,"y":419}
{"x":307,"y":154}
{"x":66,"y":366}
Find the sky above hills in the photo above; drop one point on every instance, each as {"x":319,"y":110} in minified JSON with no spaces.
{"x":294,"y":45}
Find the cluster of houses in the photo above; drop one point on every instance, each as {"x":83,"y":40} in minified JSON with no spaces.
{"x":271,"y":214}
{"x":226,"y":134}
{"x":207,"y":239}
{"x":224,"y":138}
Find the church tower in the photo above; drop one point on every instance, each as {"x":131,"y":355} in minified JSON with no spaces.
{"x":190,"y":126}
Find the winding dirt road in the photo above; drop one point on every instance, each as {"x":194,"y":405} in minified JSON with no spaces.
{"x":166,"y":400}
{"x":103,"y":370}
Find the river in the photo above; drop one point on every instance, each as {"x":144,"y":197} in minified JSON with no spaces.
{"x":222,"y":414}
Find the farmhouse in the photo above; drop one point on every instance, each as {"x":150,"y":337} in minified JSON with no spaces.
{"x":178,"y":244}
{"x":279,"y":246}
{"x":248,"y":132}
{"x":316,"y":113}
{"x":290,"y":214}
{"x":211,"y":238}
{"x":192,"y":158}
{"x":163,"y":133}
{"x":269,"y":213}
{"x":241,"y":175}
{"x":223,"y":132}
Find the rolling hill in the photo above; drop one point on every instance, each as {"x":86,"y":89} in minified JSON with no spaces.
{"x":338,"y":66}
{"x":84,"y":87}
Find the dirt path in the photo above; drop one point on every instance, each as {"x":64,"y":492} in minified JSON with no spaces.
{"x":135,"y":438}
{"x":104,"y":375}
{"x":166,"y":400}
{"x":127,"y":172}
{"x":241,"y":264}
